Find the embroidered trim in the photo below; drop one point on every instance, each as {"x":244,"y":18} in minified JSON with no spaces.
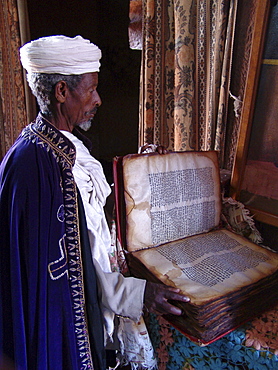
{"x":49,"y":137}
{"x":55,"y":266}
{"x":76,"y":272}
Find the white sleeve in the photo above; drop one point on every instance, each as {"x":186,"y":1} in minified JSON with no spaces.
{"x":122,"y":295}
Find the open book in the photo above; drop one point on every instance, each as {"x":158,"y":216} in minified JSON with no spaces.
{"x":168,"y":212}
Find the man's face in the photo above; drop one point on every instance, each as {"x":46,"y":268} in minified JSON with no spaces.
{"x":82,"y":103}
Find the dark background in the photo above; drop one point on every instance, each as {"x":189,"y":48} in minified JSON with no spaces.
{"x":105,"y":23}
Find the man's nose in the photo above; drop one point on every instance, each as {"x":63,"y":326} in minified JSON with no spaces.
{"x":97,"y":99}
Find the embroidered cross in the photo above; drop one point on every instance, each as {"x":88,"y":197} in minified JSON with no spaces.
{"x":58,"y":268}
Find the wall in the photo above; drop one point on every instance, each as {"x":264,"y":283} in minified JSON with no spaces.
{"x":115,"y":128}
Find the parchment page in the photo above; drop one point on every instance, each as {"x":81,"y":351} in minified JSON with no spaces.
{"x":170,"y":196}
{"x":209,"y":265}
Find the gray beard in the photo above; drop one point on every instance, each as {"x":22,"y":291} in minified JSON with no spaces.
{"x":85,"y":125}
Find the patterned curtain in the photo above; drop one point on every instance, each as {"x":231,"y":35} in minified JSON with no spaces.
{"x":186,"y":66}
{"x":12,"y":98}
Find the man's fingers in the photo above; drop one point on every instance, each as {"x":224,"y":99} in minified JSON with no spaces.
{"x":174,"y":294}
{"x":157,"y":297}
{"x":174,"y":310}
{"x":166,"y":307}
{"x":161,"y":150}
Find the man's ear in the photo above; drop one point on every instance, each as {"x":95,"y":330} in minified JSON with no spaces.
{"x":61,"y":91}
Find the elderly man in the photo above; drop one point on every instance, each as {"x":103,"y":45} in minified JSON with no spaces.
{"x":55,"y":286}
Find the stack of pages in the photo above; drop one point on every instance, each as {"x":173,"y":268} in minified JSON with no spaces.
{"x":168,"y":214}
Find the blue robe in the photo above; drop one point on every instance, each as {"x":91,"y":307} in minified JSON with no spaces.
{"x":46,"y":273}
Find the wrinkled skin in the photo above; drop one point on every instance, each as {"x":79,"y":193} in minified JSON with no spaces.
{"x":70,"y":108}
{"x":156,"y":299}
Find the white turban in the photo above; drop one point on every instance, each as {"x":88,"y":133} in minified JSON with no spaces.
{"x":60,"y":54}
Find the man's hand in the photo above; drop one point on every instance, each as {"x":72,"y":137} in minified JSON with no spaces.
{"x":151,"y":148}
{"x":162,"y":150}
{"x":156,"y":299}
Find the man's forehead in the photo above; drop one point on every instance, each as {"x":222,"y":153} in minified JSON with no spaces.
{"x":90,"y":78}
